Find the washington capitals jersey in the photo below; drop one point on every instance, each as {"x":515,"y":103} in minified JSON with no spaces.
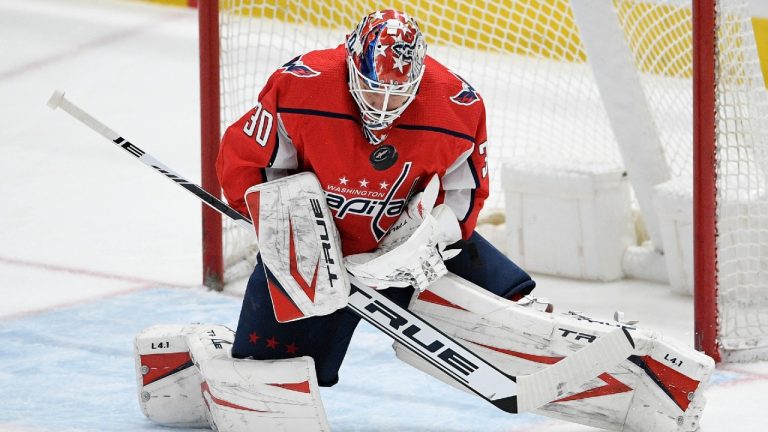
{"x":307,"y":120}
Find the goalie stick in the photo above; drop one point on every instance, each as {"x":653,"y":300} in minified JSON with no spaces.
{"x":512,"y":394}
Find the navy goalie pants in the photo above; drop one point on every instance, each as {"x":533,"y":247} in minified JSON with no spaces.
{"x":326,"y":338}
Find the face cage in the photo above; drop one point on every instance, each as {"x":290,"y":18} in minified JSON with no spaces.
{"x":379,"y":118}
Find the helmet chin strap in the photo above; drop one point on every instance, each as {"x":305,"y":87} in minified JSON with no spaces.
{"x":377,"y":130}
{"x":376,"y":136}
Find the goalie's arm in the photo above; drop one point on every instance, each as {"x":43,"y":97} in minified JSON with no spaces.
{"x":466,"y":182}
{"x":255,"y":149}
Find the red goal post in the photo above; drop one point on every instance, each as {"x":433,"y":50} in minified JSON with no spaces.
{"x":704,"y":57}
{"x":210,"y":135}
{"x":529,"y":61}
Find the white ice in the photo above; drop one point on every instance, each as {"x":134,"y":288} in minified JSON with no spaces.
{"x":95,"y":246}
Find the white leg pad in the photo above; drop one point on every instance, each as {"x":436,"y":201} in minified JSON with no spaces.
{"x":188,"y":378}
{"x":168,"y":382}
{"x":659,"y":388}
{"x":256,"y":395}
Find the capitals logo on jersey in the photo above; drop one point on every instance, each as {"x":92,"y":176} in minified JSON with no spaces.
{"x":467,"y":96}
{"x":375,"y":207}
{"x":298,"y":68}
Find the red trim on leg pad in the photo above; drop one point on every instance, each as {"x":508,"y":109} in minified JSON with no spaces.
{"x":163,"y":365}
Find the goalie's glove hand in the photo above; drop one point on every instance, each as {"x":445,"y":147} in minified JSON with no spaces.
{"x":419,"y":268}
{"x":412,"y":252}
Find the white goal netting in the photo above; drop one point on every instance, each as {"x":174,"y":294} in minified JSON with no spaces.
{"x":527,"y":60}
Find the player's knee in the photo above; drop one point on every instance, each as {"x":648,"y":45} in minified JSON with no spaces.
{"x":520,"y":290}
{"x":484,"y":265}
{"x":328,"y":380}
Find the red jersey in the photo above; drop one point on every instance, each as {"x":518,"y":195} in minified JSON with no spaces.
{"x":306,"y":120}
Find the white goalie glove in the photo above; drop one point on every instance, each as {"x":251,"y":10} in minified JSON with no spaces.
{"x":413,"y":251}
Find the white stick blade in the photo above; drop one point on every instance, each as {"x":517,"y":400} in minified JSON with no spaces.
{"x":568,"y":374}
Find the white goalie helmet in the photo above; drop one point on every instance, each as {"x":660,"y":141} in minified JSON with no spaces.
{"x":385,"y":58}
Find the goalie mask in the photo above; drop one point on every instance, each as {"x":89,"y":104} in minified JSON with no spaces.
{"x":385,"y":59}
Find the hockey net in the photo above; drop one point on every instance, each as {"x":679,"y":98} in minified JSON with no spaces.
{"x":528,"y":60}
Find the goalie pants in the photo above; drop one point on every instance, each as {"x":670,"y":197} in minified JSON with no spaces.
{"x":326,"y":338}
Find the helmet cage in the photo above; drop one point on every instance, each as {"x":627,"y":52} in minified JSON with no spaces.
{"x":379,"y":117}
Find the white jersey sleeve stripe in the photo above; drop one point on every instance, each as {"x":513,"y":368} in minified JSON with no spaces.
{"x":460,"y":201}
{"x":285,"y":157}
{"x":459,"y":183}
{"x":284,"y":160}
{"x":458,"y":175}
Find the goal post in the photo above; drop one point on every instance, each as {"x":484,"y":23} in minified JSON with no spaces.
{"x":704,"y":148}
{"x":681,"y":123}
{"x":210,"y":134}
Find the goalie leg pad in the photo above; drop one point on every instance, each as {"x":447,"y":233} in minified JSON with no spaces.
{"x":168,"y":382}
{"x":255,"y":395}
{"x":658,"y":388}
{"x":188,"y":378}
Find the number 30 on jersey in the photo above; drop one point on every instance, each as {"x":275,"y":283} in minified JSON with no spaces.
{"x":260,"y":123}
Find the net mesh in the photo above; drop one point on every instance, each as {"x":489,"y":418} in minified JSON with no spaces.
{"x":527,"y":60}
{"x":659,"y":34}
{"x":742,"y":198}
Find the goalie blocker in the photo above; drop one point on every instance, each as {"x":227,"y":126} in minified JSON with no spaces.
{"x":299,"y":247}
